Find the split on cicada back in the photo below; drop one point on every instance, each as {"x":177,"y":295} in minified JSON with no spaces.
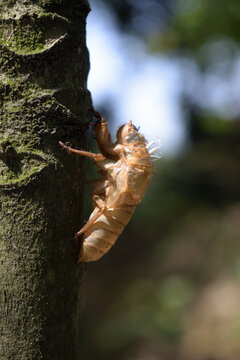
{"x":154,"y":149}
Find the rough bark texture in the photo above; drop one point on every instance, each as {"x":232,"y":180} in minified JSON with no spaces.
{"x":44,"y":66}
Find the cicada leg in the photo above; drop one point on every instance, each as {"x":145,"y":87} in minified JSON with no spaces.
{"x":102,"y":206}
{"x":95,"y":157}
{"x":103,"y":138}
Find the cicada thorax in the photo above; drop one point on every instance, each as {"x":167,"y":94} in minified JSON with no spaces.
{"x":139,"y":170}
{"x":138,"y":155}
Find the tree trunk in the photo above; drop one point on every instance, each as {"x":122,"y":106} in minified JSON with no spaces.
{"x":44,"y":67}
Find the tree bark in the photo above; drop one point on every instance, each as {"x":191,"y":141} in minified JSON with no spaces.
{"x":43,"y":96}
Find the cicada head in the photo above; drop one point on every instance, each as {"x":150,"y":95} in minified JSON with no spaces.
{"x":127,"y":134}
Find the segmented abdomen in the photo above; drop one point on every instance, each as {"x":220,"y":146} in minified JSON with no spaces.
{"x":103,"y":233}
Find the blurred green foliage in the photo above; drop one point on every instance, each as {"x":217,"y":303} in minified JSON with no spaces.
{"x":169,"y":288}
{"x":196,"y":22}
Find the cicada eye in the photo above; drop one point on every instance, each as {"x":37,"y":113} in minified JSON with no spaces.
{"x":132,"y":137}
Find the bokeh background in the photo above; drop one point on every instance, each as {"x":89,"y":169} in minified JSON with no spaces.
{"x":169,"y":289}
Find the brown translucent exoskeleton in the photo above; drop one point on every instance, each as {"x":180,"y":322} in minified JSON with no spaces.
{"x":127,"y":168}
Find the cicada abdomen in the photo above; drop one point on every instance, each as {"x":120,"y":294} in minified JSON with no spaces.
{"x":104,"y":232}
